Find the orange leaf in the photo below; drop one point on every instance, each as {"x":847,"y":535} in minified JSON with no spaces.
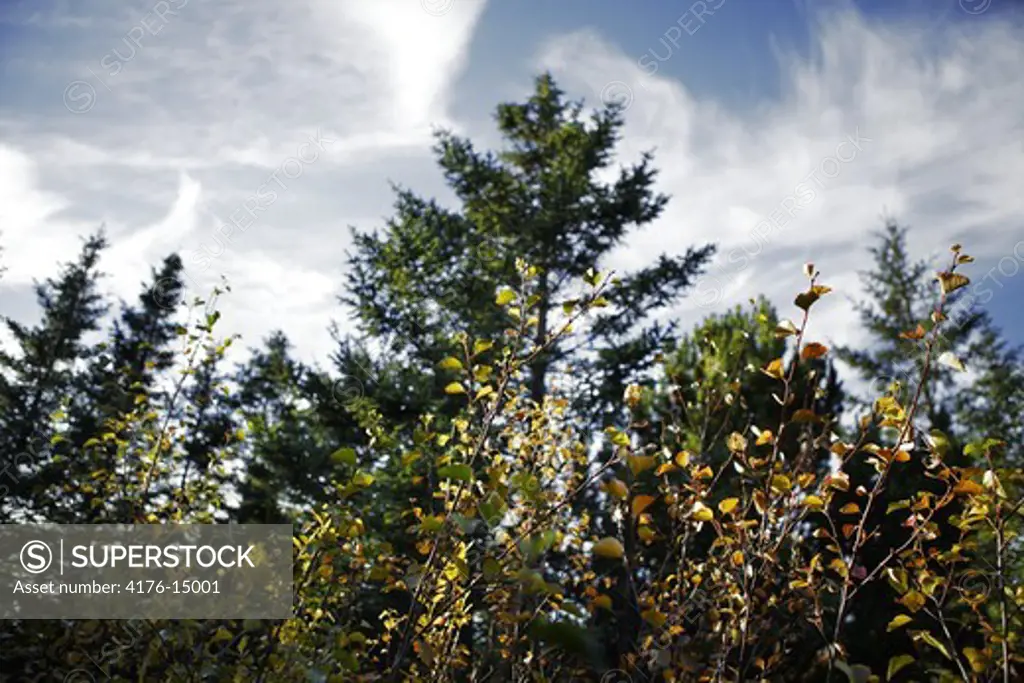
{"x":914,"y":334}
{"x":813,"y":350}
{"x":641,"y":503}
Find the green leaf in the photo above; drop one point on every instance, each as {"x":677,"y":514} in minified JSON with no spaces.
{"x":898,"y":621}
{"x":344,"y":456}
{"x":460,"y":472}
{"x":481,"y":345}
{"x":896,"y":663}
{"x":362,"y":479}
{"x":492,"y":509}
{"x":934,"y":642}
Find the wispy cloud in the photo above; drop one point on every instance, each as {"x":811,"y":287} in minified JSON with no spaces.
{"x":190,"y":119}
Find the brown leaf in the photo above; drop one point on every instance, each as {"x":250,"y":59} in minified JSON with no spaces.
{"x":813,"y":350}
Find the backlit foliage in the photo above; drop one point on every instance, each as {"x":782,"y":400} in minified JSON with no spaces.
{"x":740,"y":525}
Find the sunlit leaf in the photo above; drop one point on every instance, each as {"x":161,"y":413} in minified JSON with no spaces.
{"x":773,"y":369}
{"x":455,"y":388}
{"x":641,"y":503}
{"x":344,"y":456}
{"x":898,"y":621}
{"x":450,"y":363}
{"x":950,"y":360}
{"x":505,"y":297}
{"x":950,"y":282}
{"x":702,"y":513}
{"x":813,"y":350}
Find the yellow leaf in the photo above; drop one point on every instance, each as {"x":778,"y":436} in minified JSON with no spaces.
{"x":737,"y":558}
{"x":683,"y":458}
{"x":765,"y":437}
{"x":665,"y":468}
{"x":781,"y":484}
{"x":898,"y":621}
{"x":805,"y":415}
{"x":948,"y":359}
{"x":505,"y":296}
{"x":773,"y":369}
{"x":950,"y":282}
{"x":977,"y":659}
{"x":736,"y":443}
{"x":617,"y":488}
{"x":728,"y":505}
{"x":640,"y":463}
{"x":814,"y":502}
{"x":641,"y":503}
{"x":702,"y":513}
{"x":485,"y":390}
{"x":913,"y":601}
{"x":968,"y":487}
{"x":609,"y":547}
{"x":455,"y":388}
{"x":646,"y":534}
{"x":450,"y":363}
{"x":654,"y":618}
{"x":849,"y":509}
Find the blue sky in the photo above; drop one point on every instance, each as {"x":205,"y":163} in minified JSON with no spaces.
{"x":784,"y":129}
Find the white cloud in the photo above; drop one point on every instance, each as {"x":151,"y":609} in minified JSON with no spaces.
{"x":183,"y":128}
{"x":938,"y":109}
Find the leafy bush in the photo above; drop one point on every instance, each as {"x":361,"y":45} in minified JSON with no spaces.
{"x":731,"y":528}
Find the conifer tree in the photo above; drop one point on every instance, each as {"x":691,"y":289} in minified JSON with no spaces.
{"x":40,"y":373}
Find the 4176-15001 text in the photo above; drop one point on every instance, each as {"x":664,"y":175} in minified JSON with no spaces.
{"x":141,"y":586}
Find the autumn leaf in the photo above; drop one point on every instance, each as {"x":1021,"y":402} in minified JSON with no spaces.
{"x":814,"y":502}
{"x":806,"y":299}
{"x":950,"y":282}
{"x":813,"y":350}
{"x":609,"y":547}
{"x":913,"y":601}
{"x":641,"y":503}
{"x":455,"y":388}
{"x":617,"y":488}
{"x":702,"y":513}
{"x":728,"y":505}
{"x":505,"y":297}
{"x":786,"y":329}
{"x":736,"y":443}
{"x":968,"y":487}
{"x":914,"y":334}
{"x":450,"y":363}
{"x":804,"y":415}
{"x":640,"y":463}
{"x":773,"y":369}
